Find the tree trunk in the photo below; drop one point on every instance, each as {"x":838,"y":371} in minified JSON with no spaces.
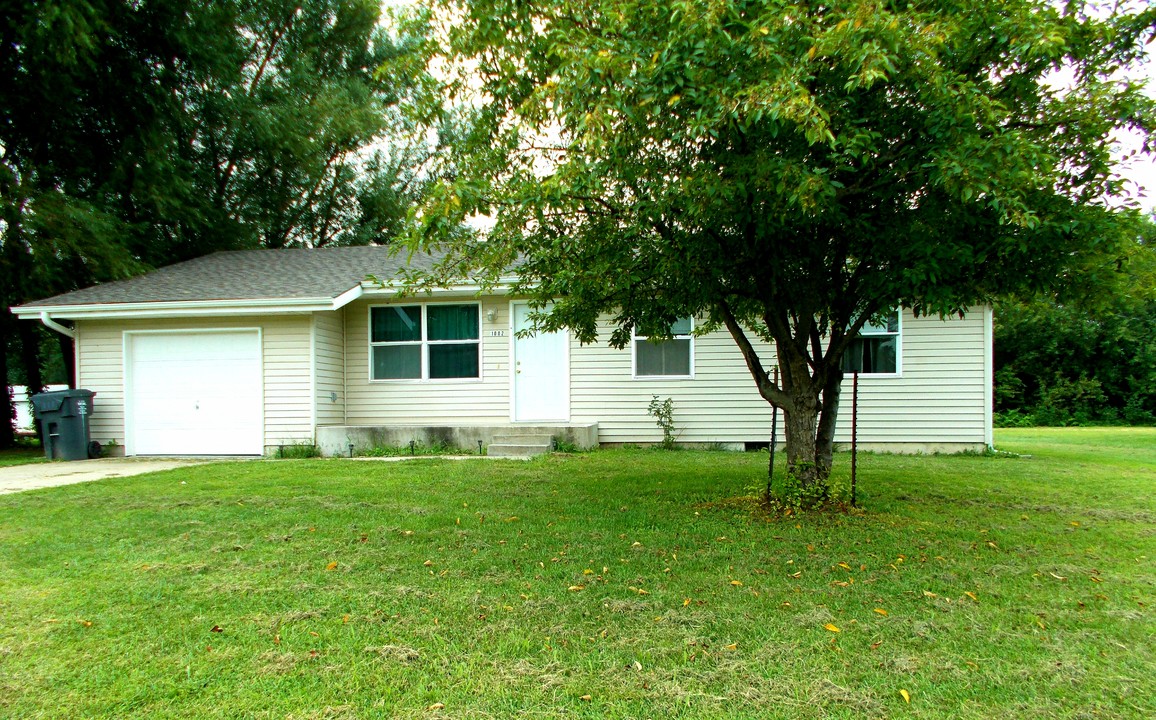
{"x":7,"y":409}
{"x":825,"y":437}
{"x":808,"y":419}
{"x":68,"y":354}
{"x":807,"y":470}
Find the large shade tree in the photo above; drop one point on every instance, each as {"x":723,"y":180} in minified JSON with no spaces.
{"x":789,"y":170}
{"x":138,"y":133}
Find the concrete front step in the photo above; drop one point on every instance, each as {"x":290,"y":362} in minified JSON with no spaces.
{"x":523,"y":438}
{"x":518,"y":449}
{"x":335,"y":440}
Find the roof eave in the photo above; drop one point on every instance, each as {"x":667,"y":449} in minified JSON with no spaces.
{"x":189,"y":308}
{"x":501,"y":288}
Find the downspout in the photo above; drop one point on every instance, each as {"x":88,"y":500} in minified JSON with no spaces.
{"x":52,"y":324}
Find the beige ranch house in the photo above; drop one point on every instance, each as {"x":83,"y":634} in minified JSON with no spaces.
{"x":244,"y":353}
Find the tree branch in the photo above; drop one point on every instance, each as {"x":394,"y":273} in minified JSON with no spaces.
{"x":770,"y":392}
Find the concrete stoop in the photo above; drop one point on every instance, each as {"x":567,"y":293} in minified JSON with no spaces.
{"x":520,"y":445}
{"x":503,"y":440}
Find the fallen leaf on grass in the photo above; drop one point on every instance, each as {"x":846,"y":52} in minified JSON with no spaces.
{"x":928,"y":593}
{"x":331,"y":566}
{"x":906,"y":696}
{"x":732,"y":646}
{"x":586,"y":698}
{"x":737,"y":583}
{"x":686,"y":602}
{"x":216,"y":628}
{"x":845,"y":566}
{"x":832,"y":628}
{"x":1097,"y":580}
{"x":576,"y":588}
{"x":881,"y":611}
{"x":437,"y":706}
{"x":88,"y":623}
{"x":972,"y":595}
{"x":1061,"y":578}
{"x":797,"y":574}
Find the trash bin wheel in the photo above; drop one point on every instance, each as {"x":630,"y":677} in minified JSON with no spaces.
{"x":94,"y":450}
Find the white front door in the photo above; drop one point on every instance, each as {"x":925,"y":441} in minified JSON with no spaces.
{"x":541,"y":372}
{"x":194,"y":393}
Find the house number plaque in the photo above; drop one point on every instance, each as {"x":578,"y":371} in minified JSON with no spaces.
{"x":496,"y":333}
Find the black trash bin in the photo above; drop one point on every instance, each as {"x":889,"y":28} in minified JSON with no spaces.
{"x":64,"y":420}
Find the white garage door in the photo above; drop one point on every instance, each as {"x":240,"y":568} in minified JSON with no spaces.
{"x":194,"y":393}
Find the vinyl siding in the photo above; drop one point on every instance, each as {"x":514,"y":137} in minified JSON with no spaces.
{"x":285,"y":364}
{"x":939,"y":396}
{"x":329,"y":367}
{"x":429,"y":402}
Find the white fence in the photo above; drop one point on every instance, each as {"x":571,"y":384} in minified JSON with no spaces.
{"x":24,"y":407}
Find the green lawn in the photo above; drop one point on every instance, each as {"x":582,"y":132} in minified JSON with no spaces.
{"x":627,"y":584}
{"x":21,"y":455}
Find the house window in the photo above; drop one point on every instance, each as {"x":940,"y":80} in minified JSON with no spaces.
{"x":425,"y":342}
{"x":876,"y":350}
{"x":666,"y":358}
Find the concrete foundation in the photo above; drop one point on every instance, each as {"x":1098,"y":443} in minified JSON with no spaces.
{"x":335,"y":440}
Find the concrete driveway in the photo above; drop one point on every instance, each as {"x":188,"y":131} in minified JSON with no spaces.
{"x":31,"y":476}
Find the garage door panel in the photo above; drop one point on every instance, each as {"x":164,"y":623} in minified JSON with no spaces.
{"x":196,"y":393}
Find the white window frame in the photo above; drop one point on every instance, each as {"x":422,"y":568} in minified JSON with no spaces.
{"x":634,"y":340}
{"x":424,"y":343}
{"x":873,"y":332}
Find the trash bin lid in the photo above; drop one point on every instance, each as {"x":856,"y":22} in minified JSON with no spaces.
{"x":50,"y":401}
{"x":53,"y":400}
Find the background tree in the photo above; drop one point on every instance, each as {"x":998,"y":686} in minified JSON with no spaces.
{"x":134,"y":134}
{"x":1087,"y":354}
{"x":790,"y":170}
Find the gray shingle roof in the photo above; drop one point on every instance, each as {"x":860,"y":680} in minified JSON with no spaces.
{"x":252,"y":275}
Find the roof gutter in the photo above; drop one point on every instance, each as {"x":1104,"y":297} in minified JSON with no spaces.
{"x":50,"y":323}
{"x":189,"y":308}
{"x":470,"y":289}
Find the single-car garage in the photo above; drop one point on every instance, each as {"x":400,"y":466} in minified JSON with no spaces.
{"x":193,"y":392}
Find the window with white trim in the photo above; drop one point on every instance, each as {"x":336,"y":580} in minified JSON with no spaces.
{"x":425,"y":342}
{"x":876,"y":350}
{"x":666,"y":358}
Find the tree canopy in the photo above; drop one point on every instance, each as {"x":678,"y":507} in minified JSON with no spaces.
{"x":788,"y":170}
{"x":135,"y":134}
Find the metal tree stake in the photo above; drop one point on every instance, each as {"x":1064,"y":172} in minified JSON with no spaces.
{"x":854,"y":434}
{"x":774,"y":432}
